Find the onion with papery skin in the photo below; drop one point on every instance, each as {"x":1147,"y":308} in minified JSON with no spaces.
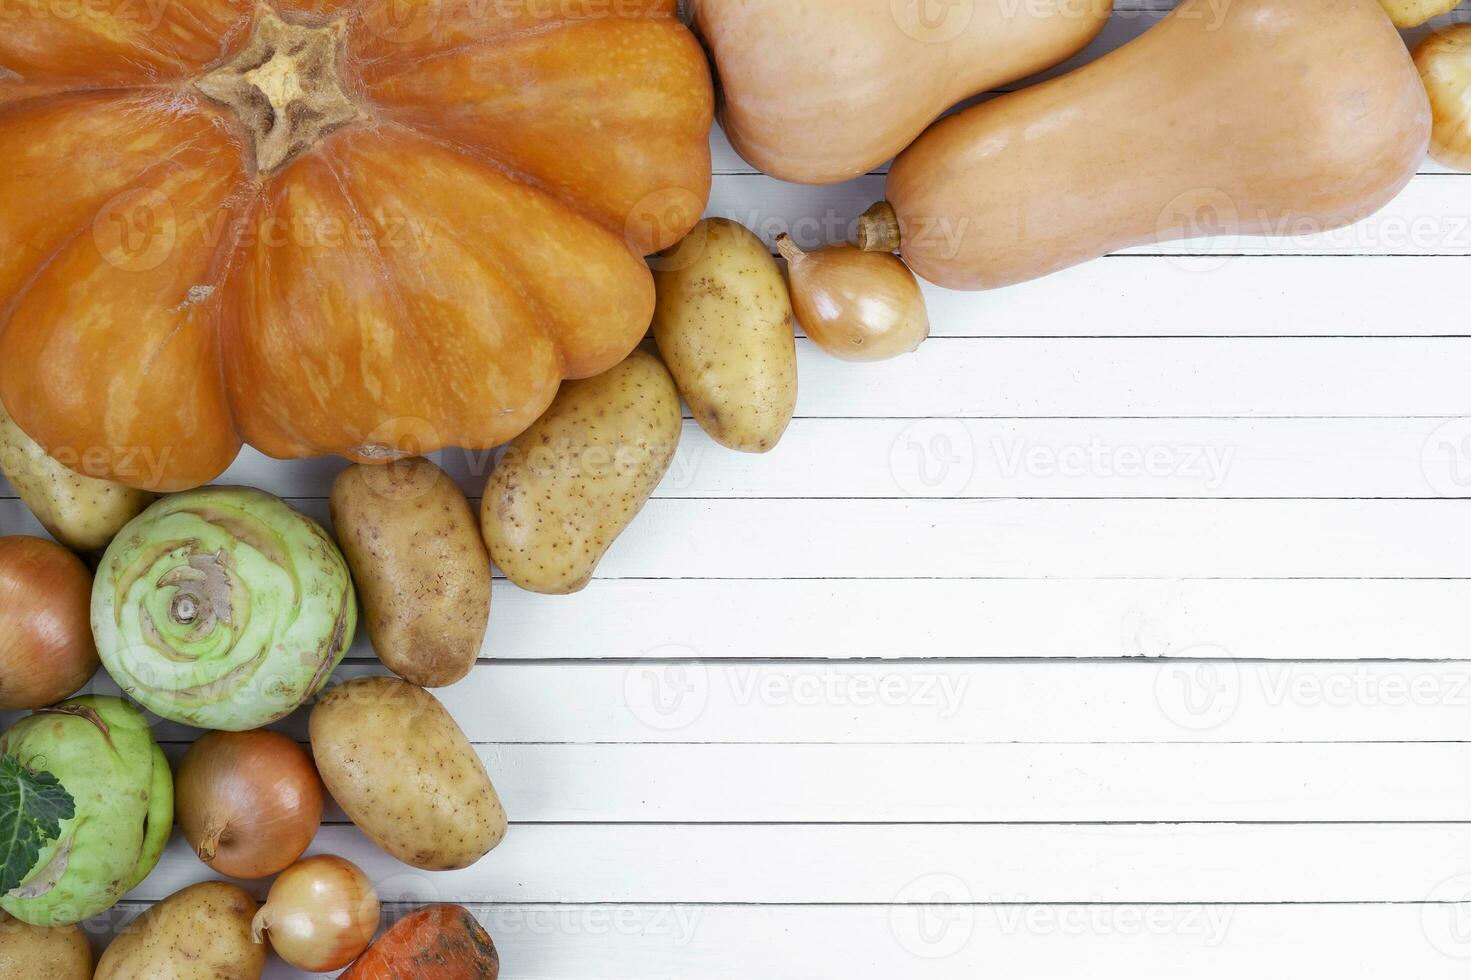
{"x":1444,"y":60}
{"x":222,"y":608}
{"x":249,"y":803}
{"x":320,"y":914}
{"x":46,"y":648}
{"x":855,"y":304}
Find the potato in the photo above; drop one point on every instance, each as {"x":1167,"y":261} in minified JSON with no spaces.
{"x":81,"y":512}
{"x":43,"y":954}
{"x":414,"y":547}
{"x":569,"y":485}
{"x":405,"y":773}
{"x":725,"y":327}
{"x":200,"y":933}
{"x":1413,"y":13}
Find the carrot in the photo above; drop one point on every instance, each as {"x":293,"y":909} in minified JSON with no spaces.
{"x":437,"y":942}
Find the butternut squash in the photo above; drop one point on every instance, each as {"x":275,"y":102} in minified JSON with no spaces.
{"x":822,"y":91}
{"x":1263,"y":117}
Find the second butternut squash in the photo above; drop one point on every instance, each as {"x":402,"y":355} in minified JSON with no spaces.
{"x":1271,"y":117}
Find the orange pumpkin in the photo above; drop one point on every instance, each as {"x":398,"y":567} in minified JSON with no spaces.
{"x":372,"y":228}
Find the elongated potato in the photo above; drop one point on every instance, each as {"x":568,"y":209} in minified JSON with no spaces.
{"x":414,"y":547}
{"x":405,"y":773}
{"x":35,"y":953}
{"x":568,"y":486}
{"x":724,"y":325}
{"x":200,"y":933}
{"x":81,"y":512}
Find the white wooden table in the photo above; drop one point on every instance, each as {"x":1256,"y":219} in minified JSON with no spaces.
{"x":1120,"y":631}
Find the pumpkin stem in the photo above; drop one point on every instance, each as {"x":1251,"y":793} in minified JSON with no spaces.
{"x":878,"y":229}
{"x":286,"y":88}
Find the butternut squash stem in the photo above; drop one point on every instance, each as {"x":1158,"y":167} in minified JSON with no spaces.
{"x":878,"y":229}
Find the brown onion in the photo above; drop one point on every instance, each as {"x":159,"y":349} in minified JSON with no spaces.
{"x":1444,"y":61}
{"x":320,"y":914}
{"x":857,"y":305}
{"x":249,"y":803}
{"x":46,"y":648}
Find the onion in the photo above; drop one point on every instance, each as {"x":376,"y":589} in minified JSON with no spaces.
{"x":46,"y":649}
{"x":321,"y":914}
{"x":855,"y":304}
{"x":1444,"y":60}
{"x":249,"y":803}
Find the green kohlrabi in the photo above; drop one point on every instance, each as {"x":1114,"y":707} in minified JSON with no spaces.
{"x":222,"y":608}
{"x":86,"y":806}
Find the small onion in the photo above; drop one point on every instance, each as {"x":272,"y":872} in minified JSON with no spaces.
{"x":321,"y":914}
{"x":249,"y":803}
{"x":1444,"y":60}
{"x":857,"y":305}
{"x":46,"y":649}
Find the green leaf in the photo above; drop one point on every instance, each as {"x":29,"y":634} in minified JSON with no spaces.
{"x":32,"y":807}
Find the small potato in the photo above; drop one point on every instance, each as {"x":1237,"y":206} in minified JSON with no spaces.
{"x":405,"y":773}
{"x":81,"y":512}
{"x":200,"y":933}
{"x":414,"y":547}
{"x":43,"y":954}
{"x":725,"y":327}
{"x":568,"y":486}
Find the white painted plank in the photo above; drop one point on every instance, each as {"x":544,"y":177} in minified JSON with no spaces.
{"x":1207,"y":700}
{"x":1258,"y":619}
{"x":1032,"y":458}
{"x":1064,"y":458}
{"x":1110,"y":378}
{"x":971,"y":539}
{"x":1138,"y":295}
{"x":930,"y":940}
{"x":1044,"y":539}
{"x":976,"y":783}
{"x":1146,"y":377}
{"x":981,"y":783}
{"x":1152,"y":863}
{"x":1204,"y":696}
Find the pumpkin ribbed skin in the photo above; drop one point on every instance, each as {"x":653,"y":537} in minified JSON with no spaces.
{"x":425,"y":275}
